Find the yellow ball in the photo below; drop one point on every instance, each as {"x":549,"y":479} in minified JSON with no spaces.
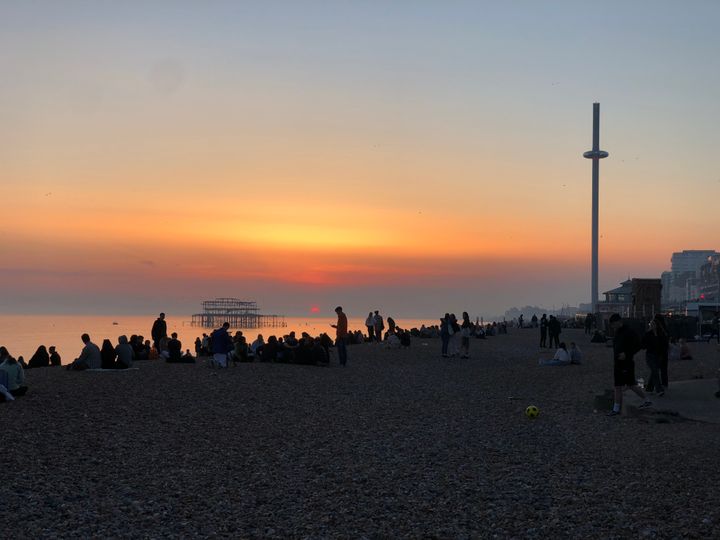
{"x":532,"y":411}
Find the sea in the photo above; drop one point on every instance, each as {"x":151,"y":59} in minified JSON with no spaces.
{"x":23,"y":334}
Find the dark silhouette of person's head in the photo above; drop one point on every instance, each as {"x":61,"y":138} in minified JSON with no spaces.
{"x":563,"y":346}
{"x":173,"y":335}
{"x":226,"y":325}
{"x":85,"y":338}
{"x":338,"y":309}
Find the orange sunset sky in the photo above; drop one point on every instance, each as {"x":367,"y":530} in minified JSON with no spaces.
{"x":414,"y":157}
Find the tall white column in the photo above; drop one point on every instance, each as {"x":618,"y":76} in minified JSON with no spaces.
{"x":596,"y":155}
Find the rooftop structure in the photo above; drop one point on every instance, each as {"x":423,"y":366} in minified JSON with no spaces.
{"x":636,"y":298}
{"x":239,"y":313}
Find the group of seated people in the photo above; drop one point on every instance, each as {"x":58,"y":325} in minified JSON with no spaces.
{"x":12,"y":376}
{"x":288,"y":349}
{"x":93,"y":357}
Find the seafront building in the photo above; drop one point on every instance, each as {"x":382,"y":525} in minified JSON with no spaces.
{"x":637,"y":298}
{"x":686,"y":280}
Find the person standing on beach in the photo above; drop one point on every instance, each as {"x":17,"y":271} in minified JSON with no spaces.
{"x":370,"y":325}
{"x":221,"y":345}
{"x":543,"y":331}
{"x":445,"y":334}
{"x":159,"y":331}
{"x":466,"y":329}
{"x":379,"y":325}
{"x":625,"y":344}
{"x":341,"y":330}
{"x":554,"y":329}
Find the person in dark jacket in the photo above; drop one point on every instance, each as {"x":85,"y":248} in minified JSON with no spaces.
{"x":554,"y":329}
{"x":445,"y":334}
{"x":55,"y":359}
{"x":174,"y":348}
{"x":625,"y":344}
{"x":543,"y":331}
{"x":108,"y":355}
{"x":159,"y":331}
{"x":221,"y":345}
{"x":41,"y":358}
{"x":656,"y":345}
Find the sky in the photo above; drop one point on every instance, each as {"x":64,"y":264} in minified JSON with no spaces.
{"x":414,"y":157}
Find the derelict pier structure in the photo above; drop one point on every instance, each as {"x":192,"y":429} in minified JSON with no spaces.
{"x":239,"y":313}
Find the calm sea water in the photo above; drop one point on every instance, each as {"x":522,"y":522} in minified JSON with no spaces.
{"x":22,"y":334}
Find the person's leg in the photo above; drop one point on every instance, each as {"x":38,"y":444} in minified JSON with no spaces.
{"x":342,"y":351}
{"x":664,"y":370}
{"x":618,"y":399}
{"x":444,"y":340}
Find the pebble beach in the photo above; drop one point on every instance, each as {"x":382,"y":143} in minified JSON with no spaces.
{"x":400,"y":443}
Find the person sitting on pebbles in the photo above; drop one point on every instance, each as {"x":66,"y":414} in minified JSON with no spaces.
{"x":15,"y":376}
{"x":90,"y":357}
{"x":561,"y":358}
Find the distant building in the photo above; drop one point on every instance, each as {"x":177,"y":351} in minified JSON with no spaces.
{"x":636,"y":298}
{"x":708,"y":280}
{"x":680,"y":284}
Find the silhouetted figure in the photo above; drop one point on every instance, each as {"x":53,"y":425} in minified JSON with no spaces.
{"x":370,"y":325}
{"x":543,"y":331}
{"x":554,"y":329}
{"x":15,"y":376}
{"x":445,"y":334}
{"x":341,"y":331}
{"x":90,"y":357}
{"x":174,"y":349}
{"x":159,"y":331}
{"x":55,"y":359}
{"x":466,"y":329}
{"x":656,"y":344}
{"x":221,"y":345}
{"x":379,"y":325}
{"x":125,"y":354}
{"x":41,"y":358}
{"x":108,"y":355}
{"x":625,"y":344}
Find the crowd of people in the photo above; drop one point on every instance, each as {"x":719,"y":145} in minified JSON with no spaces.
{"x":455,"y":338}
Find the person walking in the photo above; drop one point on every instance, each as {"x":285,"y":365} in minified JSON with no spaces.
{"x":625,"y":344}
{"x":159,"y":331}
{"x":543,"y":331}
{"x":370,"y":325}
{"x":341,"y":330}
